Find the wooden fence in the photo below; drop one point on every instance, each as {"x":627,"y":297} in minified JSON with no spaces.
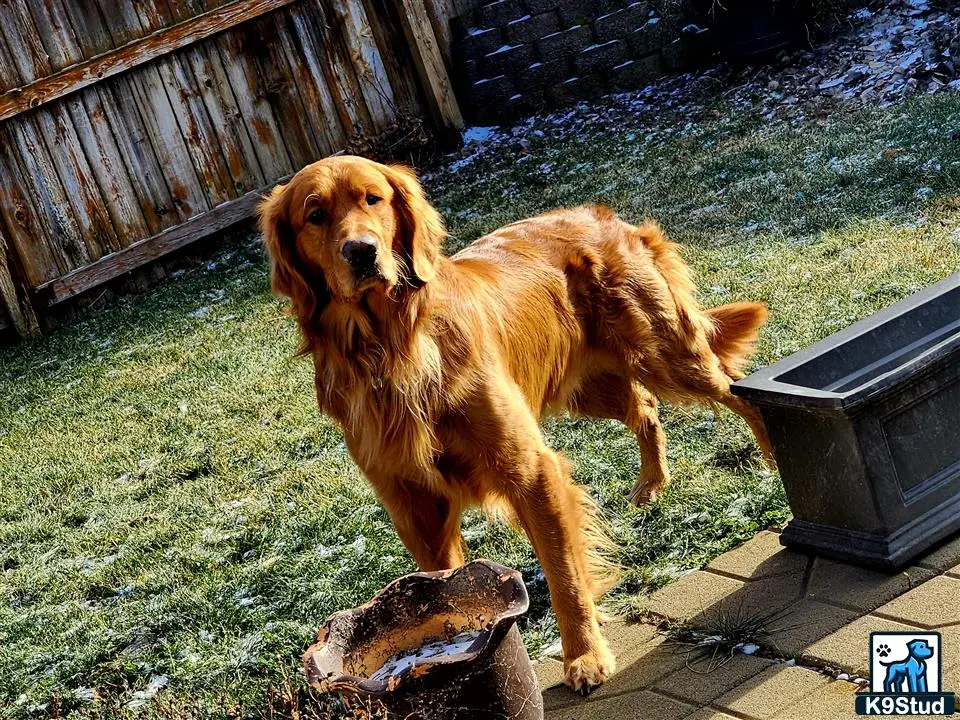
{"x":130,"y":128}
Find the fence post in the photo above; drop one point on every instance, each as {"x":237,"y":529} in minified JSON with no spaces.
{"x":441,"y":12}
{"x":17,"y":304}
{"x":430,"y":63}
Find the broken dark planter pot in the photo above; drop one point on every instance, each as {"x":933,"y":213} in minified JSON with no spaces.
{"x":433,"y":645}
{"x":865,"y":427}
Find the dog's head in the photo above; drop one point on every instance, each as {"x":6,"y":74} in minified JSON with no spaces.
{"x":920,"y":649}
{"x":346,"y":226}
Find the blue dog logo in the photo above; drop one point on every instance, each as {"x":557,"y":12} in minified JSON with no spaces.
{"x":911,"y":671}
{"x":906,"y":676}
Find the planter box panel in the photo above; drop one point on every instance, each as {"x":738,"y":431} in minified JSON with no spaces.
{"x":923,"y":439}
{"x":810,"y":476}
{"x":910,"y":445}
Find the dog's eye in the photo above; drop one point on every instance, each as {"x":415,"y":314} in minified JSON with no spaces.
{"x":316,"y":217}
{"x":373,"y":199}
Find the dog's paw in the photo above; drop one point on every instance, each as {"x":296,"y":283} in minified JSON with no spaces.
{"x":641,"y":495}
{"x":587,"y":672}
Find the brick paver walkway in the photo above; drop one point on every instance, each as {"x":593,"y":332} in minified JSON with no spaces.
{"x":817,"y":615}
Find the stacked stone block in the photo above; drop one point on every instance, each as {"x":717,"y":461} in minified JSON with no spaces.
{"x":519,"y":56}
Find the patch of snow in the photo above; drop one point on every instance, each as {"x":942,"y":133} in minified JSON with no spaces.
{"x":479,"y":134}
{"x":142,"y":697}
{"x":84,"y":694}
{"x":554,"y":649}
{"x":405,"y":660}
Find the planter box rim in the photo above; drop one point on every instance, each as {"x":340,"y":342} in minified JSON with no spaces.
{"x":767,"y":386}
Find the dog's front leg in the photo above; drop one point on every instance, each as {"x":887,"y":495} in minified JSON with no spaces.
{"x":547,"y":505}
{"x":428,"y":524}
{"x":917,"y":677}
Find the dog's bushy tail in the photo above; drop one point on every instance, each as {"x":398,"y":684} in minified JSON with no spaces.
{"x":733,"y":336}
{"x":731,"y":329}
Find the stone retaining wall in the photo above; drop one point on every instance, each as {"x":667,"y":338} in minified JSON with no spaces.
{"x":514,"y":57}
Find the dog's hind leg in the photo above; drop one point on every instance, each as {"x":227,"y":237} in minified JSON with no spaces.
{"x":612,"y":396}
{"x":890,"y":684}
{"x":699,"y":376}
{"x":753,"y":419}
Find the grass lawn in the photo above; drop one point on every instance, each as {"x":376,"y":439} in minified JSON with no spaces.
{"x":176,"y":516}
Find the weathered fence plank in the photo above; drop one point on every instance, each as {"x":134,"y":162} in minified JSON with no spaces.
{"x":282,"y":93}
{"x":341,"y":74}
{"x":73,"y":173}
{"x":441,"y":12}
{"x":163,"y":128}
{"x":55,"y":33}
{"x":226,"y":118}
{"x":304,"y":61}
{"x":9,"y":75}
{"x":38,"y":178}
{"x":108,"y":167}
{"x":136,"y":53}
{"x":245,"y":81}
{"x":17,"y":307}
{"x":26,"y":49}
{"x":87,"y":21}
{"x":89,"y":159}
{"x":133,"y":143}
{"x":385,"y":29}
{"x":430,"y":62}
{"x":19,"y":215}
{"x":374,"y":81}
{"x":196,"y":130}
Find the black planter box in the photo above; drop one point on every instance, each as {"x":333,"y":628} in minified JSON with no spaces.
{"x":865,"y":427}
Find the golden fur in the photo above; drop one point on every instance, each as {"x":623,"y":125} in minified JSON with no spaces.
{"x":438,"y":369}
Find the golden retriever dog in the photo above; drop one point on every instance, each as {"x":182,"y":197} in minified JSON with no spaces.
{"x":439,"y":369}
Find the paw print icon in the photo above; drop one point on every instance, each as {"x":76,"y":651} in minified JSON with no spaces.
{"x":883,"y":650}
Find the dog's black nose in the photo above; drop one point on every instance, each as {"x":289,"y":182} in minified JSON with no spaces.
{"x":360,"y":254}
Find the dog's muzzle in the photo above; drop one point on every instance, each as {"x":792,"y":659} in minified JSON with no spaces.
{"x":361,"y":255}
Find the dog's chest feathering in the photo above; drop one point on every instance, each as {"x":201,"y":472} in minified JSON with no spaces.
{"x":385,"y":408}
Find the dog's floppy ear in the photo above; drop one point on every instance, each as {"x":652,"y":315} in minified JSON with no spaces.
{"x":421,"y":229}
{"x":288,"y":275}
